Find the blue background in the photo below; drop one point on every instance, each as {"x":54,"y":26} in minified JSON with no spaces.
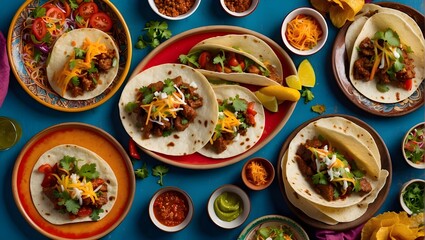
{"x":267,"y":20}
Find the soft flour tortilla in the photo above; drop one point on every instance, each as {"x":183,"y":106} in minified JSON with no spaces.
{"x":60,"y":55}
{"x":178,"y":143}
{"x":359,"y":152}
{"x":46,"y":207}
{"x":251,"y":47}
{"x":381,"y":22}
{"x":329,"y":215}
{"x":253,"y":134}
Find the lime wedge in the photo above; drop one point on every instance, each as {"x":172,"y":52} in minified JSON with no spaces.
{"x":306,"y":74}
{"x":294,"y":82}
{"x":269,"y":102}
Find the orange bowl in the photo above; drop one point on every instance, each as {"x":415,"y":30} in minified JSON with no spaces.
{"x":261,"y":164}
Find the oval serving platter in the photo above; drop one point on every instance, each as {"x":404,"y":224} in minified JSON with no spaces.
{"x":340,"y":63}
{"x":372,"y":208}
{"x":38,"y":87}
{"x":89,"y":137}
{"x":169,"y":51}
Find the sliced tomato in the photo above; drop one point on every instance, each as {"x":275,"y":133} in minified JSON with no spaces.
{"x":408,"y":84}
{"x":203,"y":59}
{"x":67,"y":8}
{"x":39,"y":28}
{"x":87,"y":9}
{"x":45,"y":168}
{"x":101,"y":21}
{"x":84,"y":212}
{"x":48,"y":5}
{"x":56,"y":13}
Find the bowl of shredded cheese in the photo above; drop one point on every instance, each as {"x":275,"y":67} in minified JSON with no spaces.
{"x":258,"y":173}
{"x":304,"y":31}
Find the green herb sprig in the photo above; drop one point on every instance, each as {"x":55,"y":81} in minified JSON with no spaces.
{"x":156,"y":32}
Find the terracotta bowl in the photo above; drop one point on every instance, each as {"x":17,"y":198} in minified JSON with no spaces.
{"x":250,"y":10}
{"x":264,"y":163}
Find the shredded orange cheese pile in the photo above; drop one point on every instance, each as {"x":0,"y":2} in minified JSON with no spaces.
{"x":163,"y":108}
{"x":303,"y":32}
{"x":256,"y":173}
{"x":228,"y":122}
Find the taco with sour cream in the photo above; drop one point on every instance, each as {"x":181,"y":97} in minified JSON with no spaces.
{"x":71,"y":184}
{"x":169,"y":109}
{"x":240,"y":123}
{"x":331,"y":163}
{"x":83,"y":64}
{"x":238,"y":58}
{"x":387,"y":63}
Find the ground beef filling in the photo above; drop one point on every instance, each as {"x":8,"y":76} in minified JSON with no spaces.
{"x":238,"y":5}
{"x":307,"y":166}
{"x":174,"y":8}
{"x":363,"y":66}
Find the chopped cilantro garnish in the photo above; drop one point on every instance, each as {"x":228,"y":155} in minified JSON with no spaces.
{"x":72,"y":64}
{"x":160,"y":171}
{"x":192,"y":58}
{"x":168,"y":87}
{"x":130,"y":106}
{"x":184,"y":121}
{"x":75,"y":81}
{"x":147,"y":95}
{"x":319,"y":178}
{"x":65,"y":199}
{"x":92,"y":69}
{"x":38,"y":12}
{"x":307,"y":94}
{"x":219,"y":59}
{"x":95,"y":214}
{"x":142,"y":172}
{"x":239,"y":104}
{"x":237,"y":69}
{"x":73,"y":4}
{"x":79,"y":53}
{"x":68,"y":163}
{"x":389,"y":36}
{"x":89,"y":171}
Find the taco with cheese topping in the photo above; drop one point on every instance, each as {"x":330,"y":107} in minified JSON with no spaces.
{"x":237,"y":58}
{"x":83,"y":64}
{"x":71,"y":184}
{"x":333,"y":163}
{"x":387,"y":63}
{"x":169,"y":109}
{"x":240,"y":123}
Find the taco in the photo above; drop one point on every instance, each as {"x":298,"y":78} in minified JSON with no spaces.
{"x":331,"y":167}
{"x":71,"y":184}
{"x":236,"y":58}
{"x":83,"y":64}
{"x":169,"y":109}
{"x":388,"y":64}
{"x":240,"y":123}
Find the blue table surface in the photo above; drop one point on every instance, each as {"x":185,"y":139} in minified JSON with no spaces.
{"x":267,"y":20}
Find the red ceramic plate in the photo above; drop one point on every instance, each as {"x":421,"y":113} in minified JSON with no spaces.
{"x":169,"y":51}
{"x":91,"y":138}
{"x":340,"y":65}
{"x":372,"y":208}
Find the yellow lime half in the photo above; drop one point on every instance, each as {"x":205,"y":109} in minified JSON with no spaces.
{"x":281,"y":93}
{"x":269,"y":102}
{"x":293,"y":81}
{"x":306,"y":74}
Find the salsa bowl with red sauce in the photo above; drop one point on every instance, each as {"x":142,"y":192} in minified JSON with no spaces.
{"x":171,"y":209}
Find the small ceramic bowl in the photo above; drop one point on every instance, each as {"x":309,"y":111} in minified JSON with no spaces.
{"x":418,"y":165}
{"x":247,"y":177}
{"x":179,"y":17}
{"x":244,"y":200}
{"x":320,"y":20}
{"x":403,"y":191}
{"x":248,"y":11}
{"x":183,"y":196}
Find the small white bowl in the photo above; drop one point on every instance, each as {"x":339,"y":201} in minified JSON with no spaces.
{"x":241,"y":218}
{"x":402,"y":192}
{"x":415,"y":165}
{"x":179,"y":17}
{"x":180,"y":226}
{"x":251,"y":9}
{"x":320,"y":19}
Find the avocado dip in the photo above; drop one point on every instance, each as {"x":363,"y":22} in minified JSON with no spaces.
{"x":228,"y":206}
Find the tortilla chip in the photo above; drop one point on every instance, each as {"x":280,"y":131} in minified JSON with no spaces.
{"x":321,"y":5}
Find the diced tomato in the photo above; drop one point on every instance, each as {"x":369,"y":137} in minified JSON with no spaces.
{"x":242,"y":63}
{"x":218,"y":68}
{"x":49,"y":180}
{"x":39,"y":28}
{"x":101,"y":21}
{"x":67,"y":8}
{"x":87,"y":9}
{"x":250,"y":109}
{"x":45,"y":168}
{"x":204,"y":58}
{"x":55,"y":12}
{"x":48,"y":5}
{"x":84,"y":212}
{"x":233,"y":62}
{"x":408,"y":84}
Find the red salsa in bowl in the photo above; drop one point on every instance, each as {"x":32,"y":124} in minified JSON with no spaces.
{"x":171,"y":209}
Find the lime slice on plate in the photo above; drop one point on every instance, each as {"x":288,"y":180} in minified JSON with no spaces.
{"x":269,"y":102}
{"x":306,"y":74}
{"x":293,"y":81}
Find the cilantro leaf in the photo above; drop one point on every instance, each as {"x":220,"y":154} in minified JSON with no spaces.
{"x":89,"y":171}
{"x":73,"y":4}
{"x":38,"y":12}
{"x":239,"y":104}
{"x":142,"y":172}
{"x":160,"y":171}
{"x":72,"y":64}
{"x":155,"y":33}
{"x":147,"y":95}
{"x":72,"y":206}
{"x":168,"y":87}
{"x":319,"y":178}
{"x":219,"y":59}
{"x":68,"y":163}
{"x":237,"y":68}
{"x":130,"y":106}
{"x":307,"y":94}
{"x":92,"y":69}
{"x":95,"y":214}
{"x":79,"y":53}
{"x":192,"y":58}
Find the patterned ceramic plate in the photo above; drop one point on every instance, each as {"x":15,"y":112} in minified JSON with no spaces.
{"x":340,"y":65}
{"x":35,"y":83}
{"x":273,"y":221}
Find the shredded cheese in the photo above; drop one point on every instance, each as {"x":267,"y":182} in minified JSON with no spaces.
{"x":303,"y":32}
{"x":162,"y":108}
{"x":77,"y":189}
{"x":256,"y":173}
{"x":228,"y":123}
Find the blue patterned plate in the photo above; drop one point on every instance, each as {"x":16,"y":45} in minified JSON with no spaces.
{"x":250,"y":231}
{"x":35,"y":82}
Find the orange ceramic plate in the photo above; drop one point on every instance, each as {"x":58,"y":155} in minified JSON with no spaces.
{"x":169,"y":51}
{"x":93,"y":139}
